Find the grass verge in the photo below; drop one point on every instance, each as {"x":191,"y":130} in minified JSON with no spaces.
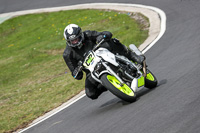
{"x":33,"y":76}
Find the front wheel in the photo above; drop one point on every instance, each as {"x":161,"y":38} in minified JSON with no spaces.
{"x":124,"y":92}
{"x":150,"y":80}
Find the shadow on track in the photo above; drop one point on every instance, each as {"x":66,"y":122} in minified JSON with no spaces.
{"x":117,"y":101}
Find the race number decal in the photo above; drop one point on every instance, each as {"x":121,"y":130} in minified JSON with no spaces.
{"x":89,"y":60}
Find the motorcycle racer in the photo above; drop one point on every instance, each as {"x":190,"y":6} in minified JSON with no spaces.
{"x":79,"y":43}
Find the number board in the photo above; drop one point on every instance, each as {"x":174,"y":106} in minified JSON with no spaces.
{"x":88,"y":59}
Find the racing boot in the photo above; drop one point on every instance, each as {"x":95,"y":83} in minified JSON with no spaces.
{"x":136,"y":58}
{"x":140,"y":59}
{"x":123,"y":50}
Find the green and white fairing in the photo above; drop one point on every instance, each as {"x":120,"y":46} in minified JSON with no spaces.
{"x":109,"y":70}
{"x":103,"y":55}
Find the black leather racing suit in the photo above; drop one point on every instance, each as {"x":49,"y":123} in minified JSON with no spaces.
{"x":72,"y":55}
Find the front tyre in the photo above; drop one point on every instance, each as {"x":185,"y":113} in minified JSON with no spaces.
{"x":124,"y":92}
{"x":150,"y":80}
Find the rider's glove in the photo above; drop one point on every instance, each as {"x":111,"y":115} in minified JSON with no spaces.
{"x":79,"y":74}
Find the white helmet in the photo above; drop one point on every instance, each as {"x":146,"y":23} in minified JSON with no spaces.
{"x":74,"y":36}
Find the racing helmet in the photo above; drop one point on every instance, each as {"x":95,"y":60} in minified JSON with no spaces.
{"x":74,"y":36}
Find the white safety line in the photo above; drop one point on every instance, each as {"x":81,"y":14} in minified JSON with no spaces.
{"x":111,"y":6}
{"x":51,"y":114}
{"x":163,"y":19}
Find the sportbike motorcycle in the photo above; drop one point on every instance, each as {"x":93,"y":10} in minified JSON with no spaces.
{"x":117,"y":73}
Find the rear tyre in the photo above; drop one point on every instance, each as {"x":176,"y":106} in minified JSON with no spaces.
{"x":150,"y":80}
{"x":124,"y":92}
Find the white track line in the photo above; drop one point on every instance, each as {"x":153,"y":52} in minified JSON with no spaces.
{"x":163,"y":19}
{"x":111,"y":6}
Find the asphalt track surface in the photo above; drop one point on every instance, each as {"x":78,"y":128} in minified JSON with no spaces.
{"x":173,"y":107}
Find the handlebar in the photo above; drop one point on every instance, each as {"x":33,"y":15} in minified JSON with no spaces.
{"x":98,"y":44}
{"x":80,"y":63}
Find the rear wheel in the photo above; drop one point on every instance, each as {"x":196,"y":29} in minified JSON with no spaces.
{"x":150,"y":80}
{"x":124,"y":92}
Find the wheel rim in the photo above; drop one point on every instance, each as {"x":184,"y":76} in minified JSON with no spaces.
{"x":124,"y":88}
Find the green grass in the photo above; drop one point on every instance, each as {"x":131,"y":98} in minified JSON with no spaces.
{"x":33,"y":75}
